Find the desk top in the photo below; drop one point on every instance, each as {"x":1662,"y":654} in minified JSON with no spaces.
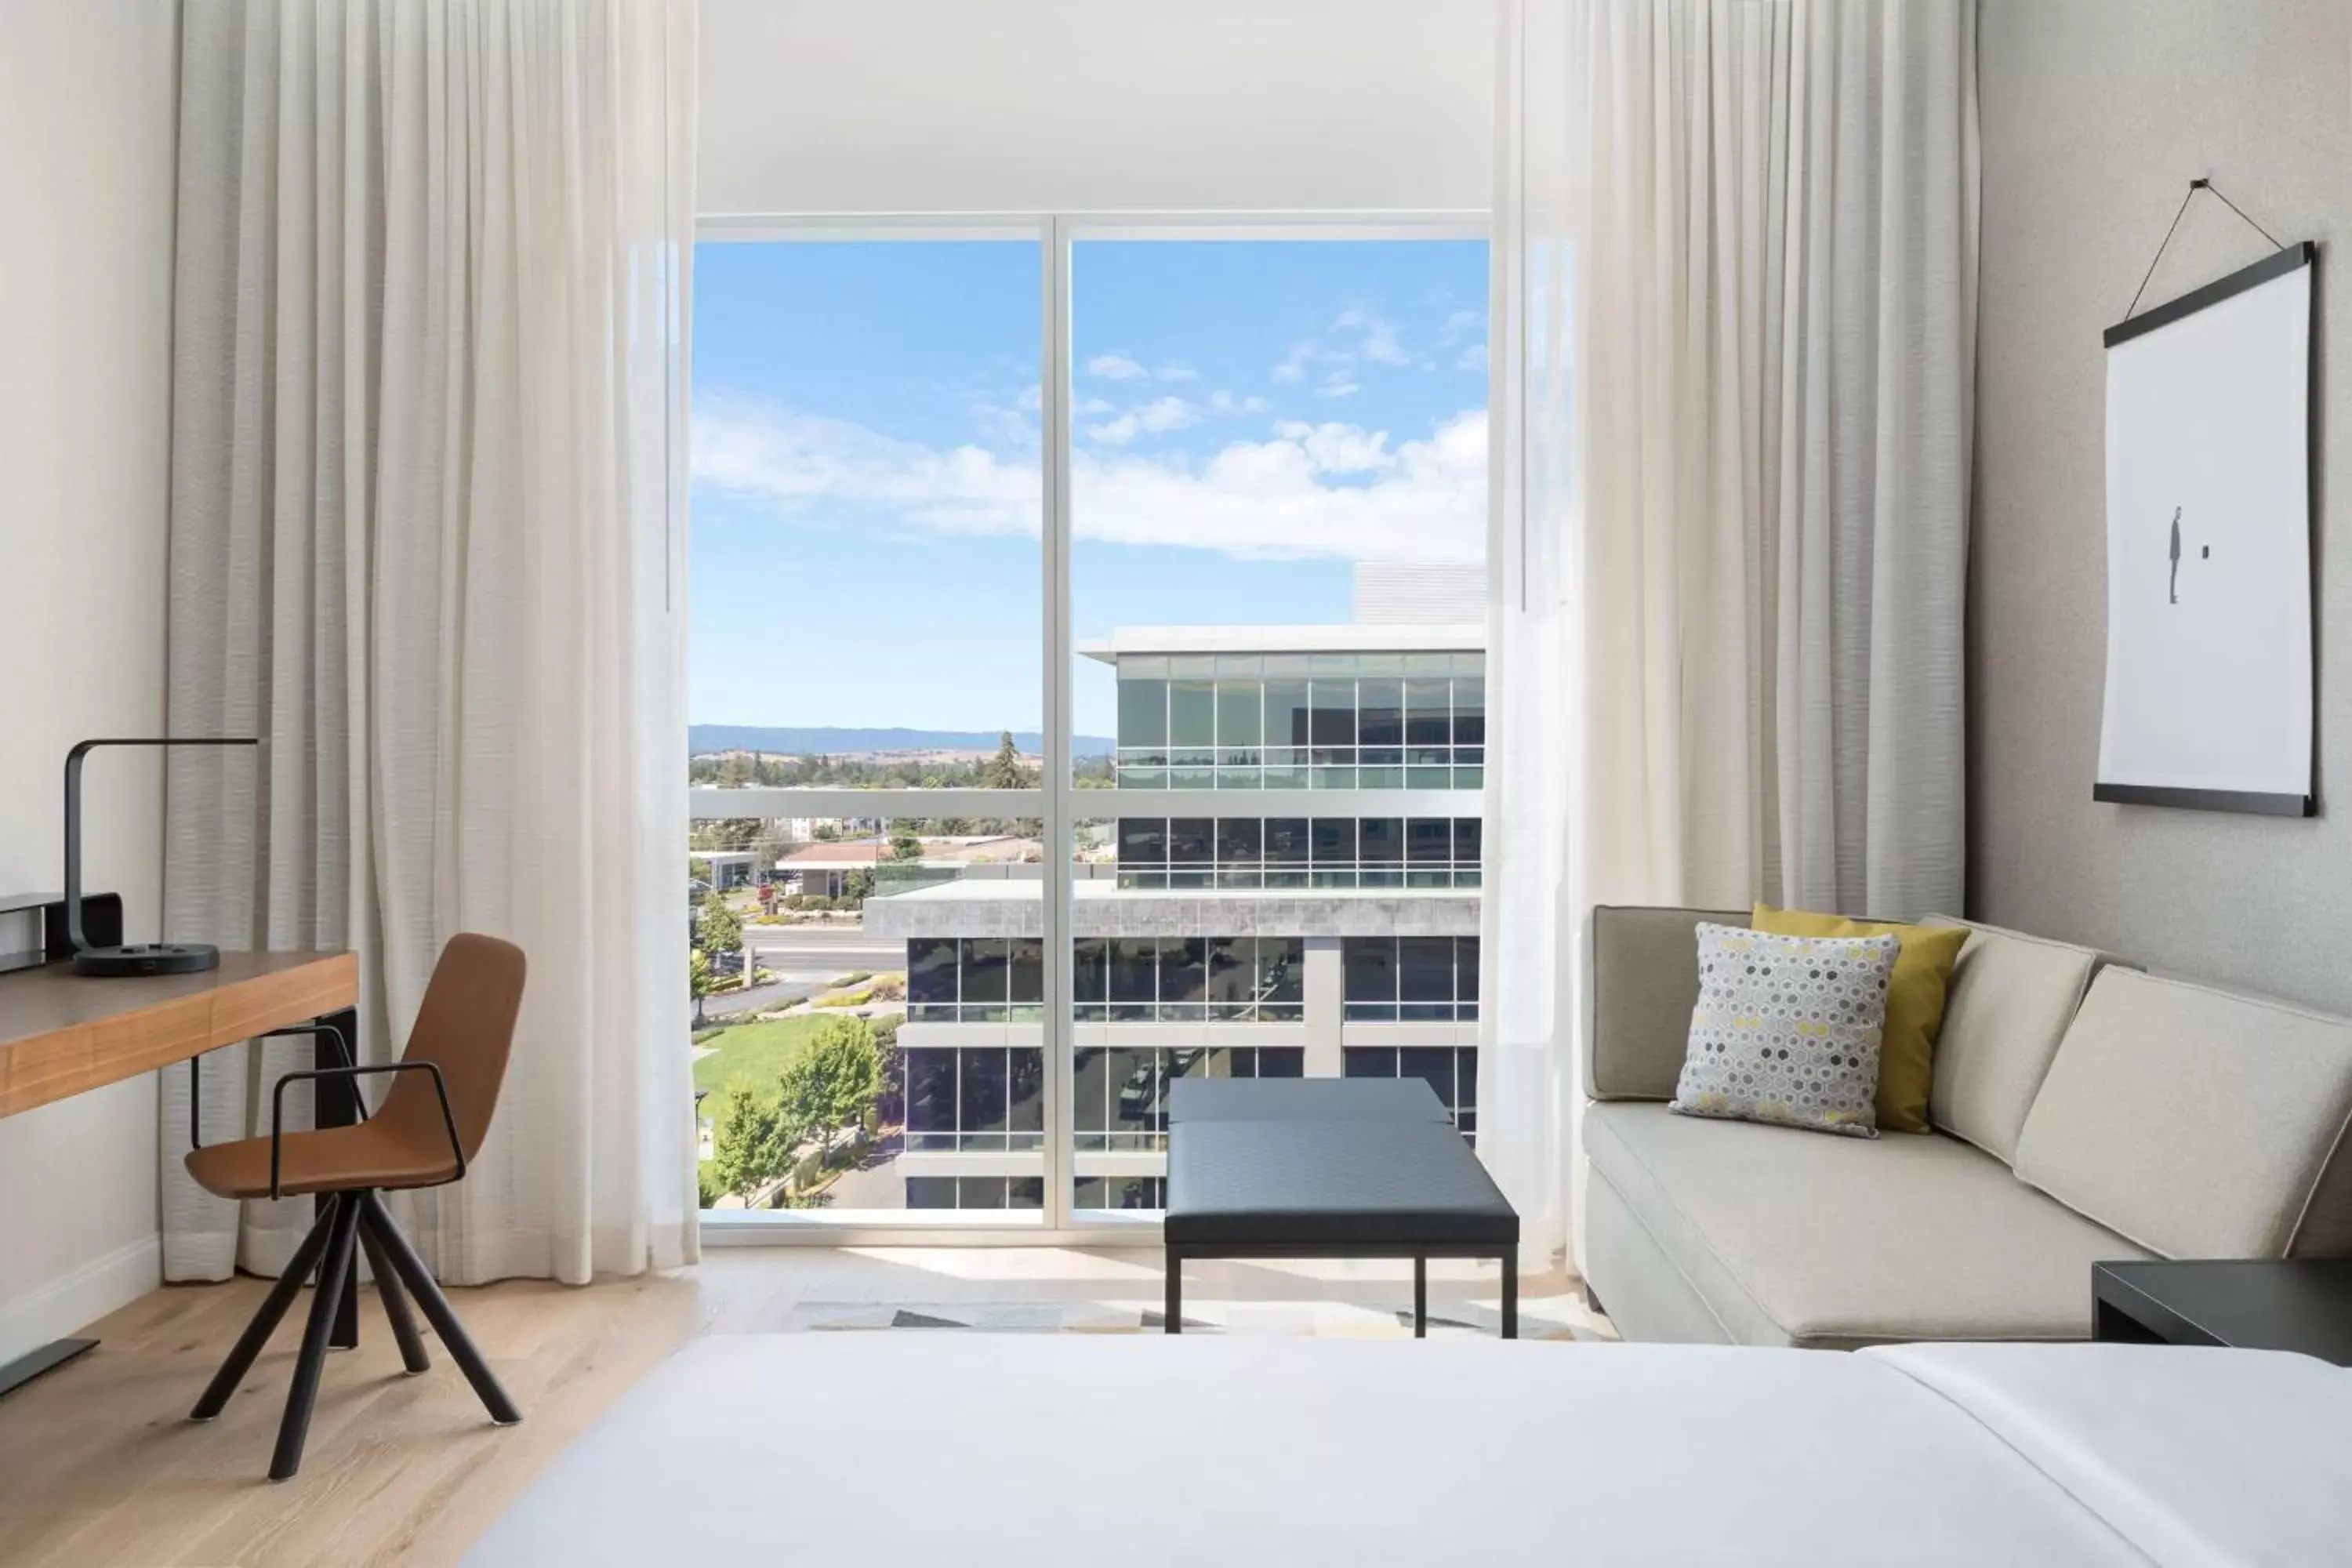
{"x":62,"y":1033}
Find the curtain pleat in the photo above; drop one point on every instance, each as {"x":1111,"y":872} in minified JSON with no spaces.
{"x":433,"y":257}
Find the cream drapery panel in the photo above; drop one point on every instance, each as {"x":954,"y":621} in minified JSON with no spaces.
{"x":426,"y":517}
{"x":1735,"y":275}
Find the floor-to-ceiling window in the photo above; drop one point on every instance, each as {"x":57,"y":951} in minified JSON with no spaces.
{"x":1087,"y":688}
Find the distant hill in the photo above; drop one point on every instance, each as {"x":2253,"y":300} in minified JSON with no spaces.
{"x":705,"y":737}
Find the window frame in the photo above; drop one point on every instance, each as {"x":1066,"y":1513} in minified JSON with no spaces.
{"x":1056,"y":802}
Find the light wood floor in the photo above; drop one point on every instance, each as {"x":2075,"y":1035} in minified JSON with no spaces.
{"x":98,"y":1464}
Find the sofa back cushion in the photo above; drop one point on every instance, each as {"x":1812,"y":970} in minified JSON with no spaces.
{"x":2197,"y":1123}
{"x":2011,"y":1000}
{"x":1644,"y":982}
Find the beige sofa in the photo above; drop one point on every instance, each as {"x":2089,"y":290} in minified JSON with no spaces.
{"x":2086,"y":1110}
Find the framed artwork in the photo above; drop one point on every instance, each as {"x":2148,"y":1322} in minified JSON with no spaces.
{"x":2210,"y":653}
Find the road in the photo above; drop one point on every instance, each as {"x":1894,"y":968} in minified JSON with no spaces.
{"x":822,"y":952}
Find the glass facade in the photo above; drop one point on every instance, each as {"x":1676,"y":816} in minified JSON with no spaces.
{"x":975,"y":980}
{"x":974,"y":1098}
{"x":1121,"y":1094}
{"x":1190,"y":979}
{"x":1410,"y":979}
{"x":1298,"y":851}
{"x":1119,"y":1193}
{"x":975,"y":1192}
{"x":1306,"y":721}
{"x":1451,"y":1070}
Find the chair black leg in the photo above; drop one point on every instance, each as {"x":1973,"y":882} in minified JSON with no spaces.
{"x":299,"y":1269}
{"x":436,"y":1306}
{"x":412,"y":1358}
{"x":303,"y":1393}
{"x":1510,"y":1295}
{"x":1420,"y":1298}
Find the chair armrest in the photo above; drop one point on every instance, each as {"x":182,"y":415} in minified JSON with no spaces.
{"x":196,"y":1077}
{"x":1641,"y":984}
{"x":440,"y":1090}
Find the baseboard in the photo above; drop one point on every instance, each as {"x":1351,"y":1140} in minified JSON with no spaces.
{"x":75,"y":1301}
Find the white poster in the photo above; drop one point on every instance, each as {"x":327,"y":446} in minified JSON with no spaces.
{"x":2208,"y":698}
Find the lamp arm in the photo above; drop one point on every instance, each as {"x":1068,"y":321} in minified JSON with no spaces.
{"x":73,"y":812}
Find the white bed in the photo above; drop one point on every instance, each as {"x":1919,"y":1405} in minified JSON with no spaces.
{"x":974,"y":1448}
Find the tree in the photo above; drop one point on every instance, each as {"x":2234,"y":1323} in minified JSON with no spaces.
{"x":1003,"y":771}
{"x":717,"y":927}
{"x":859,"y":885}
{"x":833,"y":1080}
{"x":697,"y":982}
{"x":905,"y":846}
{"x":752,"y":1144}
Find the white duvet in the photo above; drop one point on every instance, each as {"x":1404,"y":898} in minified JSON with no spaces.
{"x":974,"y":1449}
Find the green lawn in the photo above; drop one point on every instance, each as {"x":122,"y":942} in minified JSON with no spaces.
{"x":750,"y":1055}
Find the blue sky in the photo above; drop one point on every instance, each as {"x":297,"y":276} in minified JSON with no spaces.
{"x":1252,"y":416}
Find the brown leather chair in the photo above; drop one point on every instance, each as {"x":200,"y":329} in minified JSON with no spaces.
{"x":444,"y":1091}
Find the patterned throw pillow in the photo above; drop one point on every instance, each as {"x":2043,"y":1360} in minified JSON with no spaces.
{"x":1787,"y":1029}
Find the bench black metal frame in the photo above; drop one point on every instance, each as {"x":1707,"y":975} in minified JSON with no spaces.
{"x":1266,"y":1189}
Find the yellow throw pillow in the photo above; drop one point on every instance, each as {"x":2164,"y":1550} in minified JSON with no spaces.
{"x":1915,"y":1002}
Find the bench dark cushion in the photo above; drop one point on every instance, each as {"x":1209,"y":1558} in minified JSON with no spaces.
{"x":1268,"y":1182}
{"x":1304,"y":1099}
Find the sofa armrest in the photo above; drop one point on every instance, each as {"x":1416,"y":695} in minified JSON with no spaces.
{"x":1641,"y":984}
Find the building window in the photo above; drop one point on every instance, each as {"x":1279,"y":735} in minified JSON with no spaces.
{"x":975,"y":980}
{"x":1298,"y":852}
{"x":1451,"y":1070}
{"x":1410,"y":979}
{"x":1326,"y":721}
{"x":975,"y":1192}
{"x":981,"y":1098}
{"x":1120,"y":1095}
{"x":1119,"y":1193}
{"x":1190,"y":980}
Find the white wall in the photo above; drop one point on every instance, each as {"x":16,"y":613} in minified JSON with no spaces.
{"x":2096,"y":114}
{"x":86,"y":175}
{"x":868,"y":106}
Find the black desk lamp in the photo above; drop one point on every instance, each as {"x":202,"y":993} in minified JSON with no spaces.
{"x":129,"y":958}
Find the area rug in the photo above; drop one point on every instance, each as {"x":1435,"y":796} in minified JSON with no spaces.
{"x":1563,"y":1319}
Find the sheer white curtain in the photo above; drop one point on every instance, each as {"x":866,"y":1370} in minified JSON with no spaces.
{"x":426,"y":516}
{"x":1736,"y":273}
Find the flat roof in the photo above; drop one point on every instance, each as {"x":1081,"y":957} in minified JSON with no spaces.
{"x":1350,"y":639}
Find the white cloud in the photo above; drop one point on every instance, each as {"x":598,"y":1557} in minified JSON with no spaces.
{"x":1419,"y":501}
{"x":1471,"y":358}
{"x":1114,"y":367}
{"x":1369,"y":337}
{"x":1293,"y":366}
{"x":1221,"y":402}
{"x":1163,"y":415}
{"x":1091,"y":406}
{"x":1340,"y":384}
{"x":1336,"y":448}
{"x":1176,"y":372}
{"x":1459,"y":326}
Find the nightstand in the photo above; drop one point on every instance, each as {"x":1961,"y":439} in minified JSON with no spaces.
{"x":2295,"y":1304}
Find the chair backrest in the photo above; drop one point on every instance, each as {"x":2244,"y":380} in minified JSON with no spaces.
{"x":465,"y":1026}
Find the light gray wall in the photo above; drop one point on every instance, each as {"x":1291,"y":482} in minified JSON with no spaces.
{"x":86,"y":149}
{"x":2096,"y":113}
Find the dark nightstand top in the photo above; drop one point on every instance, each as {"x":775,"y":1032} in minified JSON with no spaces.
{"x":2300,"y":1304}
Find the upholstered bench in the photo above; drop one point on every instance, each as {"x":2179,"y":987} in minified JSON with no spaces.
{"x":1328,"y":1168}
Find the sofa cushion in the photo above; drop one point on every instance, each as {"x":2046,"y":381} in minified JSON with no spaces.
{"x":2197,"y":1122}
{"x":2012,"y":997}
{"x":1643,"y":983}
{"x":1838,"y":1242}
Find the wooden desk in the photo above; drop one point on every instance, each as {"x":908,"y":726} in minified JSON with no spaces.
{"x":62,"y":1034}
